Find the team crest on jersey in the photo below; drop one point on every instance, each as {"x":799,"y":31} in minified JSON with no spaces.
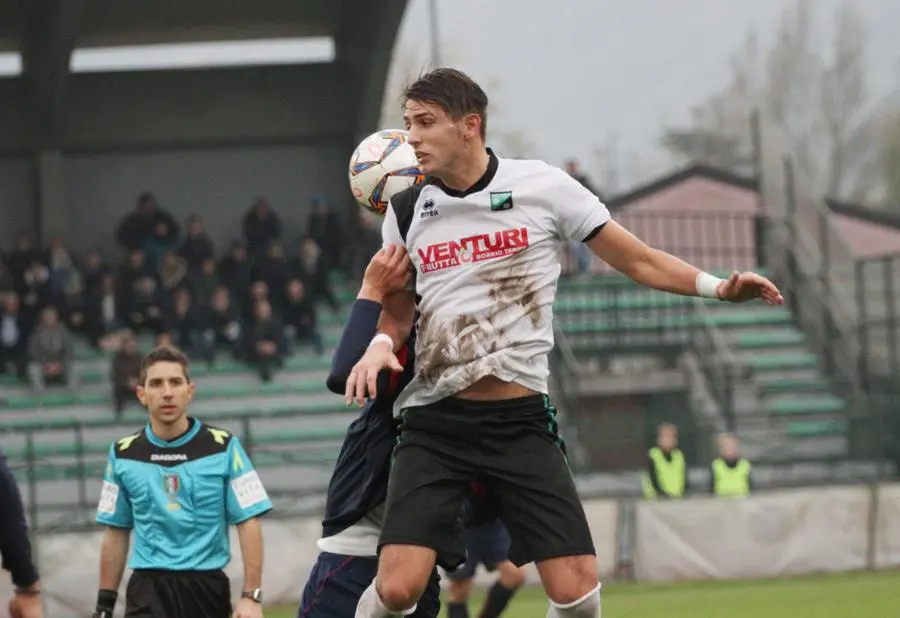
{"x":501,"y":200}
{"x":477,"y":248}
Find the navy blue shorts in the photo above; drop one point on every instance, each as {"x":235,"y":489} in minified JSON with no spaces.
{"x":488,"y":545}
{"x":336,"y":582}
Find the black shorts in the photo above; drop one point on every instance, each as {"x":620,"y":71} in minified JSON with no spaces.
{"x":155,"y":593}
{"x":487,"y":544}
{"x":514,"y":449}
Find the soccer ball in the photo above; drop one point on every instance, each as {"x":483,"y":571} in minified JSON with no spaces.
{"x":381,"y":166}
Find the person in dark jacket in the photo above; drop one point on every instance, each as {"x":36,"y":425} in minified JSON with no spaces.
{"x":261,"y":227}
{"x":15,"y":548}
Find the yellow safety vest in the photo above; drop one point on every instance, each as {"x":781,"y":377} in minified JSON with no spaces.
{"x":731,"y":482}
{"x":670,"y":474}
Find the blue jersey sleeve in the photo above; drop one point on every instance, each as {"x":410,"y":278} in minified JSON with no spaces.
{"x":114,"y":508}
{"x":247,"y":498}
{"x":358,"y":332}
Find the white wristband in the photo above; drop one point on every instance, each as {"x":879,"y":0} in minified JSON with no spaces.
{"x":707,"y":285}
{"x":381,"y":337}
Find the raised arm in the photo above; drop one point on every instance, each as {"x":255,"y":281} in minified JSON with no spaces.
{"x":387,"y":274}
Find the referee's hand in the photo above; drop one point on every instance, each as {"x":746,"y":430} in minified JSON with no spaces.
{"x":364,"y":376}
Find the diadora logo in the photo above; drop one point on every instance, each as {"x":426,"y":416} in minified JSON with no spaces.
{"x":476,"y":248}
{"x":428,"y":209}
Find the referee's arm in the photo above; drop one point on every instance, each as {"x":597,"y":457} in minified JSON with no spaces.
{"x":15,"y":546}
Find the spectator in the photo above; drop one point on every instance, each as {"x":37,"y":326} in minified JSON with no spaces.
{"x":102,"y":311}
{"x":137,"y":293}
{"x":258,"y":291}
{"x":14,"y":333}
{"x":299,"y":315}
{"x":204,"y":282}
{"x":265,"y":341}
{"x":325,"y":227}
{"x":261,"y":226}
{"x":366,"y":244}
{"x":125,"y":371}
{"x":235,"y":271}
{"x":312,"y":271}
{"x":21,"y":258}
{"x":93,"y":270}
{"x":34,"y":287}
{"x":71,"y":303}
{"x":172,"y":276}
{"x":61,"y":267}
{"x":226,"y":322}
{"x":159,"y":245}
{"x":139,"y":226}
{"x":7,"y":280}
{"x":50,"y":353}
{"x":197,"y":247}
{"x":191,"y":328}
{"x":272,"y":269}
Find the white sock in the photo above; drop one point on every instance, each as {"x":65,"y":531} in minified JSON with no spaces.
{"x":587,"y":606}
{"x":371,"y":606}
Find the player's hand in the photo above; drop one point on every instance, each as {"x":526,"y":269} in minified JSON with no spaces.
{"x":364,"y":376}
{"x":741,"y":287}
{"x":389,"y":271}
{"x":247,"y":608}
{"x":26,"y":606}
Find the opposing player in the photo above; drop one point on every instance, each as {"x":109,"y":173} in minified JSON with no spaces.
{"x":487,"y":545}
{"x":179,"y":484}
{"x":354,"y":508}
{"x":483,"y":236}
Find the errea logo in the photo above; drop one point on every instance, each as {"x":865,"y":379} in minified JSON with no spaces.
{"x":429,"y":209}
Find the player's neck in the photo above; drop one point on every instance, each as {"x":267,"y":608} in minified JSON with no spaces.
{"x":170,"y":431}
{"x":469,"y":170}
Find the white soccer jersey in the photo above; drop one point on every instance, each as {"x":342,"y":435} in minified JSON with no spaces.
{"x":487,"y":265}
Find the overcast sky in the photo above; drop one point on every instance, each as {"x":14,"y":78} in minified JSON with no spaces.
{"x":571,"y":72}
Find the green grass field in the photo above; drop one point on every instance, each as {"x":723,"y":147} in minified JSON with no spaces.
{"x":857,"y":595}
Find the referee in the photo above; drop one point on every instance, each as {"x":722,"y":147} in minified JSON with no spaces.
{"x":179,"y":484}
{"x":15,"y":548}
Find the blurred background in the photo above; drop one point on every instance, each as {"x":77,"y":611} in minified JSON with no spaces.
{"x":177,"y":171}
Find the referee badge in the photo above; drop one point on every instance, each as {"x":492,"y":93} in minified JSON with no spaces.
{"x":172,"y":484}
{"x":501,"y":200}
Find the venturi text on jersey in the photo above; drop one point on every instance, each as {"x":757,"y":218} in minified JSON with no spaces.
{"x":476,"y":248}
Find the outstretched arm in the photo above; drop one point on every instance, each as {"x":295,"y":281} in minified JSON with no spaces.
{"x":659,"y":270}
{"x":357,"y":333}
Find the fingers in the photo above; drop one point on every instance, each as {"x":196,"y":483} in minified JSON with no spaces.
{"x":350,"y":388}
{"x":395,"y":364}
{"x":372,"y":384}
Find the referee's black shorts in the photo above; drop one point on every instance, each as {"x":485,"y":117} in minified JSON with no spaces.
{"x":155,"y":593}
{"x":511,"y":446}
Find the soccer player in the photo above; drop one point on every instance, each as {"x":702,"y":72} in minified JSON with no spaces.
{"x":487,"y":544}
{"x":179,"y":484}
{"x":354,"y":508}
{"x":482,"y":235}
{"x":15,"y":548}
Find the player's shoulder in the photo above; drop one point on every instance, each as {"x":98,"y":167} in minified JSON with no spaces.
{"x":129,"y":442}
{"x":529,"y":168}
{"x":403,"y":203}
{"x":214,"y":439}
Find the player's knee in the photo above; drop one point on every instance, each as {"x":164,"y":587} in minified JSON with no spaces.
{"x":458,"y":590}
{"x":569,"y":578}
{"x":587,"y":606}
{"x":511,"y":576}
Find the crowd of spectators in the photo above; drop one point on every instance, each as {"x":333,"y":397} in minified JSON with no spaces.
{"x":254,"y":301}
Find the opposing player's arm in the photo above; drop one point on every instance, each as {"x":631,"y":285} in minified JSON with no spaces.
{"x":358,"y":332}
{"x":247,"y":498}
{"x":398,"y":308}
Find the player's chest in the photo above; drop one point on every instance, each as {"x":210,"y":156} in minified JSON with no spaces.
{"x":445,"y":233}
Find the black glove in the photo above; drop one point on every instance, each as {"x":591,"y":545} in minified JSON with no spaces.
{"x":106,"y":603}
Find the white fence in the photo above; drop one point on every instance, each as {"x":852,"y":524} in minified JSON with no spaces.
{"x":769,"y":535}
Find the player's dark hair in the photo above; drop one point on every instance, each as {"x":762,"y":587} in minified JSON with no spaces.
{"x":452,"y":90}
{"x":165,"y":354}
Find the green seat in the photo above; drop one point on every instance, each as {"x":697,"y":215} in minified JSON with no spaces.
{"x":298,"y":436}
{"x":743,"y":317}
{"x":755,"y":340}
{"x":789,"y":384}
{"x":777,"y":362}
{"x":820,"y":404}
{"x":816,"y":429}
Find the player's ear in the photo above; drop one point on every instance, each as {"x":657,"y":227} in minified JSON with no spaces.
{"x":471,"y":126}
{"x":141,"y":395}
{"x":190,"y":391}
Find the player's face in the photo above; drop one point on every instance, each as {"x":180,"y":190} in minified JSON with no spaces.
{"x":439,"y":141}
{"x":166,"y":392}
